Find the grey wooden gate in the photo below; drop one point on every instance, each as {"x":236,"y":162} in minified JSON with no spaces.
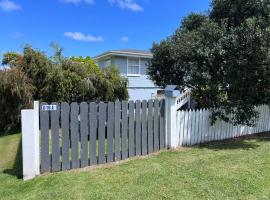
{"x":79,"y":135}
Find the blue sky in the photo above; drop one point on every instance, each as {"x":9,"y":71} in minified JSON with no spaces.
{"x":90,"y":27}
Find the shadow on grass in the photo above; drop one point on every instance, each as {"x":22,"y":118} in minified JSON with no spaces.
{"x":264,"y":137}
{"x":8,"y":132}
{"x":16,"y":169}
{"x":242,"y":143}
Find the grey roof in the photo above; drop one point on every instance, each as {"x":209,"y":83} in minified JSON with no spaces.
{"x":141,"y":53}
{"x":134,"y":51}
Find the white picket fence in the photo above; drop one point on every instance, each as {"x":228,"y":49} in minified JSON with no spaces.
{"x":194,"y":127}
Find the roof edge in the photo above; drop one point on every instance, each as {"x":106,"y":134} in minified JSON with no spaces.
{"x":123,"y":53}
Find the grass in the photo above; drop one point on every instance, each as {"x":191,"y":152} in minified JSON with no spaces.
{"x":236,"y":169}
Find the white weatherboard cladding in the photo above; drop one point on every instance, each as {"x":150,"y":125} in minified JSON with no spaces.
{"x":142,"y":81}
{"x":141,"y":93}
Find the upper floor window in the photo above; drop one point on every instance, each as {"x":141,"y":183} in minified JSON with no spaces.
{"x":108,"y":63}
{"x":133,"y":66}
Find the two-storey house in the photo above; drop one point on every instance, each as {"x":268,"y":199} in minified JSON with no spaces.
{"x":133,"y":65}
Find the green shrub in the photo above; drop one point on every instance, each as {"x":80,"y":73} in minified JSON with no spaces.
{"x":16,"y":93}
{"x":33,"y":76}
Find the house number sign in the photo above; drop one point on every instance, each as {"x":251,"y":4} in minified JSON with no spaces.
{"x":48,"y":107}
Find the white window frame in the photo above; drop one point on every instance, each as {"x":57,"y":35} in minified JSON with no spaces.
{"x":138,"y":66}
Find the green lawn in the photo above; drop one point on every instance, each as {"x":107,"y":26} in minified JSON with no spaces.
{"x":238,"y":169}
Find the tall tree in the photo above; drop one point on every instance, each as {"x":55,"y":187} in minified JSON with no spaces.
{"x":224,"y":57}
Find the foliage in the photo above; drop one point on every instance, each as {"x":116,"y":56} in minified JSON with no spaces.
{"x":112,"y":85}
{"x":15,"y":94}
{"x":34,"y":64}
{"x":87,"y":62}
{"x":34,"y":76}
{"x":224,"y":57}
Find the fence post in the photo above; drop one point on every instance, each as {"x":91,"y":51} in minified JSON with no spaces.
{"x":37,"y":137}
{"x":172,"y":137}
{"x":30,"y":142}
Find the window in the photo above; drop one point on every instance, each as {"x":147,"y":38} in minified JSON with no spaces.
{"x":133,"y":66}
{"x":108,"y":63}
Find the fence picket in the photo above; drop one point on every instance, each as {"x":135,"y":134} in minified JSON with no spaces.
{"x":150,"y":127}
{"x":267,"y":118}
{"x":162,"y":124}
{"x":117,"y":139}
{"x":156,"y":125}
{"x":226,"y":130}
{"x":93,"y":133}
{"x":230,"y":129}
{"x":200,"y":127}
{"x":131,"y":139}
{"x":222,"y":130}
{"x":196,"y":127}
{"x":264,"y":113}
{"x":192,"y":127}
{"x":185,"y":130}
{"x":180,"y":122}
{"x":110,"y":131}
{"x":219,"y":129}
{"x":124,"y":130}
{"x":138,"y":140}
{"x":144,"y":128}
{"x":101,"y":132}
{"x":264,"y":118}
{"x":206,"y":125}
{"x":189,"y":128}
{"x":55,"y":138}
{"x":74,"y":135}
{"x":45,"y":139}
{"x":84,"y":133}
{"x":257,"y":123}
{"x":65,"y":135}
{"x":210,"y":128}
{"x":260,"y":118}
{"x":234,"y":131}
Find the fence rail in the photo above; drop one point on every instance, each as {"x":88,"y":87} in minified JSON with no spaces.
{"x":79,"y":135}
{"x":194,"y":127}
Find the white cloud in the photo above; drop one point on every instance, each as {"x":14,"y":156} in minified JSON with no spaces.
{"x":90,"y":2}
{"x":83,"y":37}
{"x":127,"y":4}
{"x":16,"y":35}
{"x":125,"y":39}
{"x":7,"y":5}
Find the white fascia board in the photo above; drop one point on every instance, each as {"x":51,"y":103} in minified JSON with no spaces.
{"x":127,"y":54}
